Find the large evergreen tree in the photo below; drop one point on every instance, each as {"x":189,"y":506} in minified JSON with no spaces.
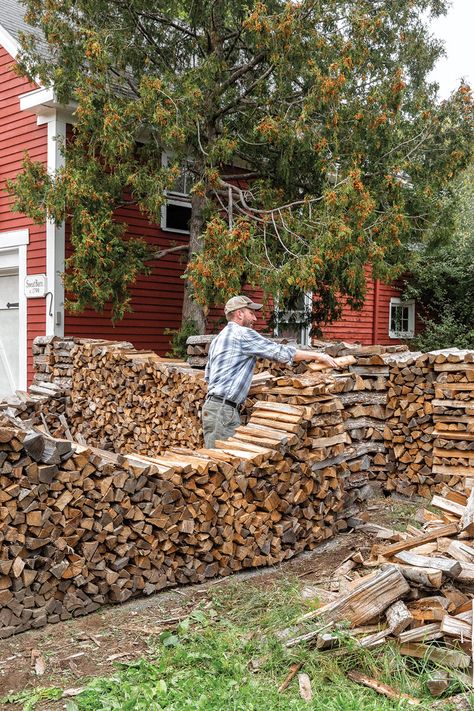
{"x":316,"y":144}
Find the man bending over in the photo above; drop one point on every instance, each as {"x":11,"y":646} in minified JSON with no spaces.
{"x":229,"y":370}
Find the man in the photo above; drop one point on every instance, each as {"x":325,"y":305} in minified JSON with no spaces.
{"x":229,"y":370}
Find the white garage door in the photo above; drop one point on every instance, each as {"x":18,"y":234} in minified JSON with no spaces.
{"x":9,"y":333}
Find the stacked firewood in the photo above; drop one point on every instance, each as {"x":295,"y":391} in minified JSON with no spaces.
{"x":197,"y":349}
{"x":364,"y":403}
{"x":328,"y":445}
{"x":453,"y":416}
{"x":82,"y":527}
{"x":43,"y":405}
{"x":129,"y":400}
{"x":409,"y":427}
{"x":420,"y":592}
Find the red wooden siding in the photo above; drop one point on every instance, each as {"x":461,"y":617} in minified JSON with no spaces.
{"x":370,"y":325}
{"x":19,"y":133}
{"x":157,"y":299}
{"x":216,"y":319}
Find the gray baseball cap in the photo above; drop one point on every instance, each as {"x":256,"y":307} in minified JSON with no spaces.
{"x":240,"y":302}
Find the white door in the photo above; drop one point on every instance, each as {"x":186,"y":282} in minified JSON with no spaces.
{"x":9,"y":332}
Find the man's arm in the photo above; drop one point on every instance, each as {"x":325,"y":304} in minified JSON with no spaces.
{"x":320,"y":357}
{"x":257,"y":345}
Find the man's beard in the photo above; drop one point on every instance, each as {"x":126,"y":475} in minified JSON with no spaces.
{"x":247,"y":322}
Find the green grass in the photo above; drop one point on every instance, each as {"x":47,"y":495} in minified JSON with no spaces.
{"x":226,"y":656}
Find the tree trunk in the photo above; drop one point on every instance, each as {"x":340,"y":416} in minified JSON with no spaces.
{"x":192,"y":311}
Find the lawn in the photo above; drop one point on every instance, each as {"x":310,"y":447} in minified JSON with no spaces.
{"x":228,"y":655}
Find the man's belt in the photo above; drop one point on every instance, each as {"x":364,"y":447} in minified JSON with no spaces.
{"x":218,"y":398}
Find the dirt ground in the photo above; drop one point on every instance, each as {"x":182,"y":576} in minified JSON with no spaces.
{"x":71,"y":652}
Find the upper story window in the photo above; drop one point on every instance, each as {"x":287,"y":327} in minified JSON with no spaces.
{"x":402,"y":318}
{"x":176,"y":212}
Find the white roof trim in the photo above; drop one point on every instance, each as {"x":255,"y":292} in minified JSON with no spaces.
{"x":44,"y":103}
{"x":8,"y":42}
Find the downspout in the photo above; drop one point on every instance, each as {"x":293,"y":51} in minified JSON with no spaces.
{"x":375,"y":320}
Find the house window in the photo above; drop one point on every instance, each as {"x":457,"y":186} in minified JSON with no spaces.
{"x":294,"y":324}
{"x":176,"y":212}
{"x":402,"y":318}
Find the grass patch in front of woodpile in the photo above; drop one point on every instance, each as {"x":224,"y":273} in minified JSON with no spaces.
{"x":228,"y":656}
{"x":402,"y":512}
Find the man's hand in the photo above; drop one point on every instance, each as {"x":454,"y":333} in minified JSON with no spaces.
{"x":320,"y":357}
{"x":326,"y":359}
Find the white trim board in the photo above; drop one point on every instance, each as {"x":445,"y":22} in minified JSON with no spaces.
{"x":55,"y":236}
{"x":8,"y":42}
{"x":14,"y":238}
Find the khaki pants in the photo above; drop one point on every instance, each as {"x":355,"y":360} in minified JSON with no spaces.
{"x":219,"y":421}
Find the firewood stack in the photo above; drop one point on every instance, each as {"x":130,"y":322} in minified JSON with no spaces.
{"x":135,"y":401}
{"x":453,"y":416}
{"x":43,"y":405}
{"x":409,"y":426}
{"x":327,"y":445}
{"x":109,"y":411}
{"x":83,"y":527}
{"x":364,"y":403}
{"x":197,"y":348}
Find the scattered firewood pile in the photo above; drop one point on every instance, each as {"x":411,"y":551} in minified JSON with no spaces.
{"x":418,"y":593}
{"x":44,"y":405}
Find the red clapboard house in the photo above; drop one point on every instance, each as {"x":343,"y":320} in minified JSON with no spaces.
{"x":32,"y":256}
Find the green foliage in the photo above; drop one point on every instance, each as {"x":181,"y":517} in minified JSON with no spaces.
{"x":31,"y":697}
{"x":228,"y":657}
{"x":346,"y":157}
{"x":180,"y":336}
{"x":442,"y":279}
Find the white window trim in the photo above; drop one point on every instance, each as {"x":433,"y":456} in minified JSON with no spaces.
{"x":410,"y":304}
{"x":173,"y":197}
{"x":18,"y":240}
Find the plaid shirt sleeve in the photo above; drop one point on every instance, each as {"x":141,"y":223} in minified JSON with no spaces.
{"x":254,"y":344}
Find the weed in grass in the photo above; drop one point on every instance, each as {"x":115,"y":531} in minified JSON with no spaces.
{"x":31,"y":697}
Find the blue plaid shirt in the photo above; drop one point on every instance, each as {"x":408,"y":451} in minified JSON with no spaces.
{"x":232,"y":358}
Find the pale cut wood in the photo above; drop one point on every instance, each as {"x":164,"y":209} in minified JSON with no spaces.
{"x":456,"y":628}
{"x":441,"y":655}
{"x":450,"y":506}
{"x":398,"y":617}
{"x":467,"y":521}
{"x":461,"y":551}
{"x":450,"y":567}
{"x":342,"y":362}
{"x":428,"y":577}
{"x":425,"y":633}
{"x":442,"y":531}
{"x":366,"y":600}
